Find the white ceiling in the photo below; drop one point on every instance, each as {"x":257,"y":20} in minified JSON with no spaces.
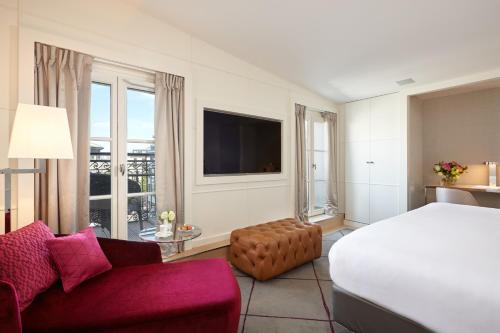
{"x":346,"y":49}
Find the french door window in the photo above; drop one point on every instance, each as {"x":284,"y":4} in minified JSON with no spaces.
{"x":122,"y":152}
{"x":317,"y":162}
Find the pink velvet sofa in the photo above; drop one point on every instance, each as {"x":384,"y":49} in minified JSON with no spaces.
{"x":140,"y":294}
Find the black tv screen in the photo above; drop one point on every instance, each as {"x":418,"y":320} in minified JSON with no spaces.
{"x":237,"y":144}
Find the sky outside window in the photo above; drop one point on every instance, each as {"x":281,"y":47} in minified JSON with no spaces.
{"x":100,"y":110}
{"x":140,"y":114}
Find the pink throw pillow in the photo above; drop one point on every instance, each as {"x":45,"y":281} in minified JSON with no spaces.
{"x":78,"y":257}
{"x":25,"y":261}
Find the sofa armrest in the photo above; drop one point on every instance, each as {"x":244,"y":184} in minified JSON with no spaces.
{"x":10,"y":316}
{"x":121,"y":253}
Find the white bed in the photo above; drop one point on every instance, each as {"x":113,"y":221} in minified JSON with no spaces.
{"x":438,"y":265}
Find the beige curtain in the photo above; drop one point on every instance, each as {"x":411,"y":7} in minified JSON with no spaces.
{"x":300,"y":169}
{"x":331,"y":123}
{"x":62,"y":79}
{"x":169,"y":139}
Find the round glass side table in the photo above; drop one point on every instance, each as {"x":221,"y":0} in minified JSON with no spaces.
{"x":173,"y":244}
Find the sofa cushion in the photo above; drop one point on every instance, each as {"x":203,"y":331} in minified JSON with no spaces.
{"x":25,"y":261}
{"x":130,"y":296}
{"x":78,"y":257}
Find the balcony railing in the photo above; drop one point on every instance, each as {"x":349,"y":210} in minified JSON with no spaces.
{"x":141,"y":188}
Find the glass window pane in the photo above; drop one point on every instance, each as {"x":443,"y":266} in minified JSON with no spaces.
{"x":100,"y":217}
{"x":141,"y":214}
{"x":320,"y":195}
{"x":140,"y":114}
{"x":320,"y":136}
{"x":141,"y":167}
{"x":100,"y":168}
{"x":100,"y":110}
{"x":320,"y":165}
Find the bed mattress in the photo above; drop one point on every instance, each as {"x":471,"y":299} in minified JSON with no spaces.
{"x":438,"y":265}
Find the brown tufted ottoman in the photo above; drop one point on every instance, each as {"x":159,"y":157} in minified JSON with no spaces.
{"x":267,"y":250}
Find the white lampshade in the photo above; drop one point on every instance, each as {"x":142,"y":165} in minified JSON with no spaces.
{"x":40,"y":132}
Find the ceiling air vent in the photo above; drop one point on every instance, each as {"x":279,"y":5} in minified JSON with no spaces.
{"x":405,"y":82}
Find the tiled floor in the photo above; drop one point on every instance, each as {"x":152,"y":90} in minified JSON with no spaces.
{"x":297,"y":301}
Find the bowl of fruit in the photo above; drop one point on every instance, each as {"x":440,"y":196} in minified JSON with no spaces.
{"x":186,"y":228}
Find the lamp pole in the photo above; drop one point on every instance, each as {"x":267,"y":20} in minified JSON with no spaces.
{"x":8,"y":172}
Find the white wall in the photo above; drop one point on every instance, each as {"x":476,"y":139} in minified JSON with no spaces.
{"x":117,"y":32}
{"x":462,"y":127}
{"x":8,"y":86}
{"x":415,"y":154}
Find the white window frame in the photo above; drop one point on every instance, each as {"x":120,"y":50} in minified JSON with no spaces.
{"x":120,"y":78}
{"x":312,"y":116}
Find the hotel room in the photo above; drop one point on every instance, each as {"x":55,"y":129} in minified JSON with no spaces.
{"x":228,"y":166}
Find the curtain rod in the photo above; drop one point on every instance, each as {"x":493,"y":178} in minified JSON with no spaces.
{"x":121,"y":64}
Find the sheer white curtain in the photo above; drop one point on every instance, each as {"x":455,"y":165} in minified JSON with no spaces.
{"x":331,"y":124}
{"x":300,"y":167}
{"x":169,"y":139}
{"x":62,"y":79}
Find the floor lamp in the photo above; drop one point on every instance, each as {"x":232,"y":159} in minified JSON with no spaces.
{"x":38,"y":132}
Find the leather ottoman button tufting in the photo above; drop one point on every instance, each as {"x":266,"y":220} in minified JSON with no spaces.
{"x":268,"y":241}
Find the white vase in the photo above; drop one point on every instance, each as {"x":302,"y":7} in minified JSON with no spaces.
{"x":165,"y":230}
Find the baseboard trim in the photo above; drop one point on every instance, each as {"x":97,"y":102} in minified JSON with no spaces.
{"x":198,"y":250}
{"x":222,"y":240}
{"x":332,"y":224}
{"x":353,"y":224}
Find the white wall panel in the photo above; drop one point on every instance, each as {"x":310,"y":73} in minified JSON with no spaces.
{"x":383,"y":202}
{"x":357,"y":169}
{"x":357,"y":198}
{"x":372,"y":134}
{"x":386,"y":158}
{"x":267,"y":204}
{"x":385,"y":117}
{"x":220,"y":212}
{"x":357,"y":121}
{"x":8,"y":56}
{"x":8,"y":86}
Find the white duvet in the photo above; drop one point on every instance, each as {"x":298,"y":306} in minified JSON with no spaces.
{"x":438,"y":265}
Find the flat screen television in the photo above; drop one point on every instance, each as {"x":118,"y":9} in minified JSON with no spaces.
{"x":239,"y":144}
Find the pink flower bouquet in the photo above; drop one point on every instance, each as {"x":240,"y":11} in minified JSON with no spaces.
{"x":449,"y":171}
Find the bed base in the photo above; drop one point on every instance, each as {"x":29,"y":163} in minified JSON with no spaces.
{"x":362,"y":316}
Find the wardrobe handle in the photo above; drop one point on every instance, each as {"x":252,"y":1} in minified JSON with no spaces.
{"x":370,"y":162}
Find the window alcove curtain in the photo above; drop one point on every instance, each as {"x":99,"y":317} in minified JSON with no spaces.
{"x":169,"y":140}
{"x":301,"y":204}
{"x":331,"y":207}
{"x":63,"y":79}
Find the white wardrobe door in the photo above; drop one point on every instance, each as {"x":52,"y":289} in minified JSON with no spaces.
{"x":357,"y":202}
{"x":385,"y":117}
{"x":383,"y":202}
{"x":357,"y":121}
{"x":357,"y":154}
{"x":386,"y":158}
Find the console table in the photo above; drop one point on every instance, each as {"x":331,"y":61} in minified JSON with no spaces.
{"x":468,"y":188}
